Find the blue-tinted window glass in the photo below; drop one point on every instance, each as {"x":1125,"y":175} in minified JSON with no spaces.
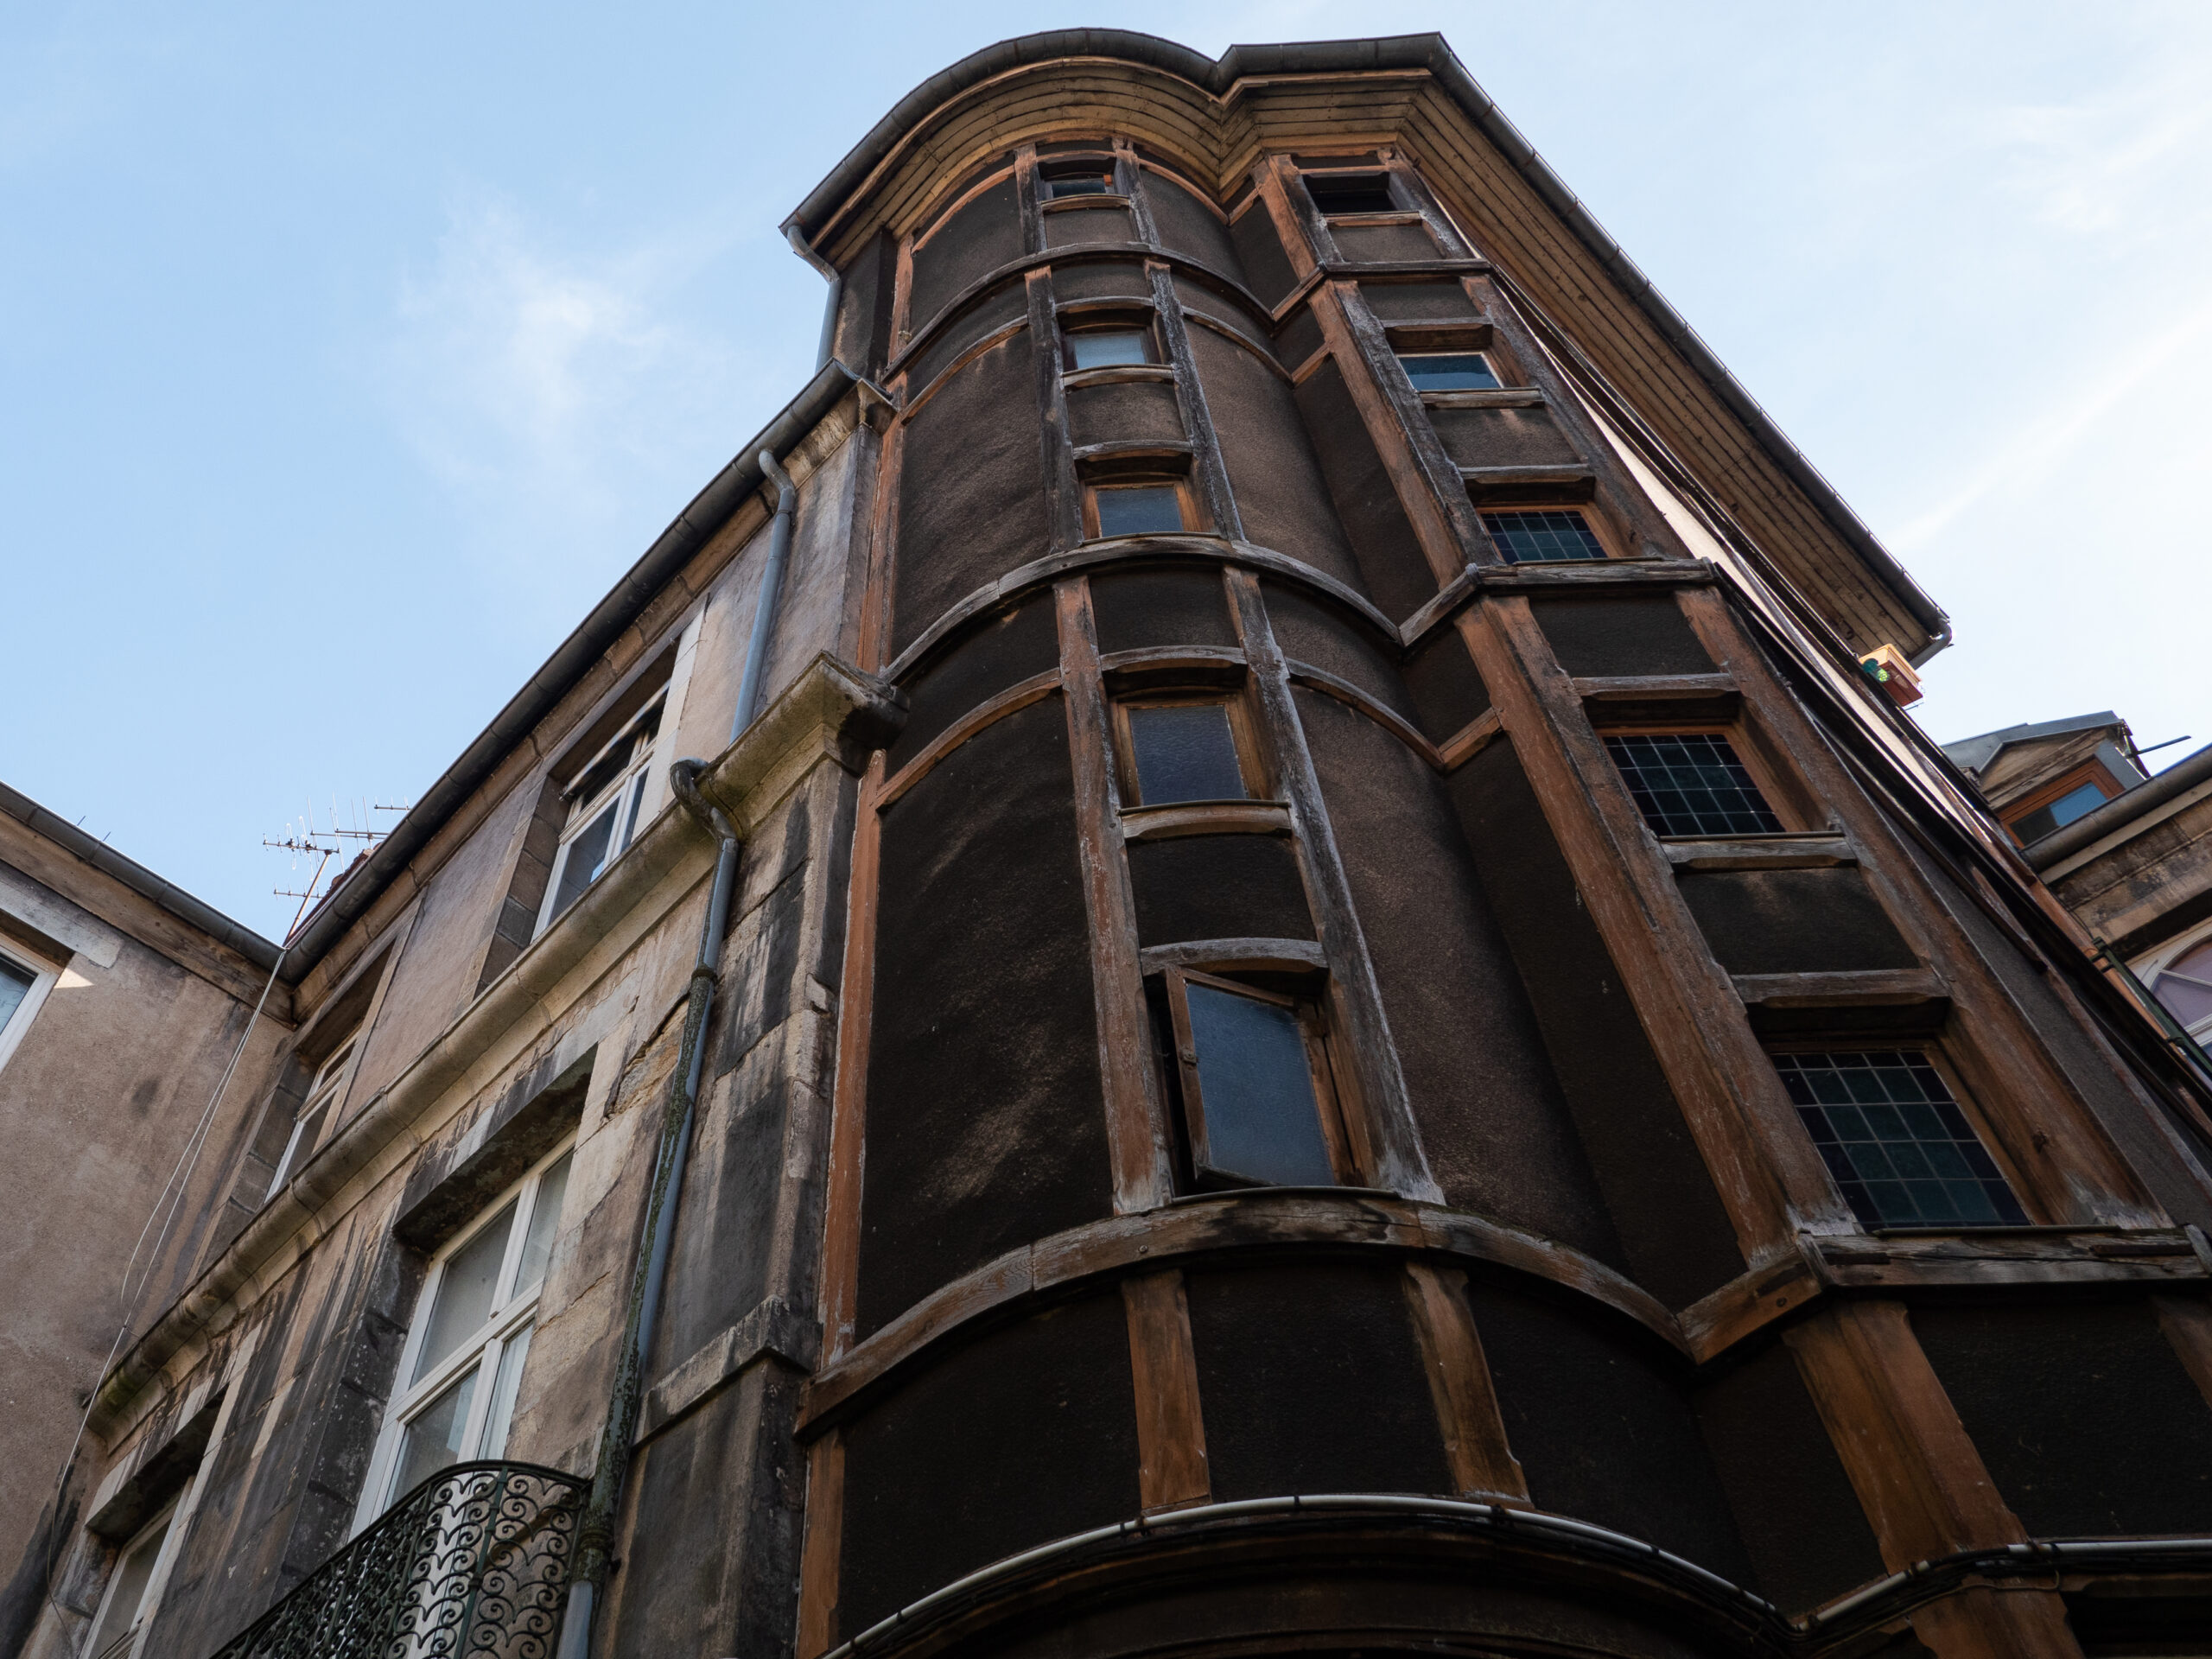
{"x":1185,"y":752}
{"x":16,"y":982}
{"x":1450,"y":371}
{"x":1140,"y":510}
{"x":1262,"y":1120}
{"x":1109,"y":348}
{"x":1550,"y":536}
{"x":2073,"y":804}
{"x":1896,"y":1144}
{"x":1080,"y":184}
{"x":1691,"y":784}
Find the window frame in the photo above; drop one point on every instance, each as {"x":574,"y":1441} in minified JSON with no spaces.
{"x":2150,"y":967}
{"x":2091,"y":771}
{"x":1109,"y":317}
{"x":1186,"y":498}
{"x":1398,"y":209}
{"x":44,"y":975}
{"x":1331,"y":1094}
{"x":326,"y":1091}
{"x":480,"y":1351}
{"x":636,"y":793}
{"x":1932,"y":1051}
{"x":149,"y":1593}
{"x":1402,"y":352}
{"x":1243,"y":731}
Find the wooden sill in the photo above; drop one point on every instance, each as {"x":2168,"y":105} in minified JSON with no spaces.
{"x":1205,"y":818}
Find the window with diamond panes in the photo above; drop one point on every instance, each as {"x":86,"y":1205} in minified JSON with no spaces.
{"x":1692,"y":784}
{"x":1543,"y":535}
{"x":1895,"y":1143}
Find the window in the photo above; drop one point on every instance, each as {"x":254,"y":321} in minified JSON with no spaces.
{"x":1184,"y":751}
{"x":2078,"y":802}
{"x":1109,"y":348}
{"x":605,"y":803}
{"x":464,"y":1357}
{"x":1258,"y":1109}
{"x":1061,"y":183}
{"x":2184,"y":985}
{"x":1337,"y":194}
{"x":130,"y":1591}
{"x":1449,"y":371}
{"x":24,"y":982}
{"x":324,"y":1089}
{"x":1691,"y":784}
{"x":1543,"y":535}
{"x":1896,"y":1142}
{"x":1138,"y":509}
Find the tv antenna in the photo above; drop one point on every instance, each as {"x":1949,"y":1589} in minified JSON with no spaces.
{"x":348,"y":822}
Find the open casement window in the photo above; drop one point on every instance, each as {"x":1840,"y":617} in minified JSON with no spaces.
{"x":325,"y":1091}
{"x":1062,"y":180}
{"x":605,"y":802}
{"x":132,"y":1589}
{"x":1896,"y":1140}
{"x":1260,"y":1103}
{"x":1178,"y":750}
{"x":458,"y":1374}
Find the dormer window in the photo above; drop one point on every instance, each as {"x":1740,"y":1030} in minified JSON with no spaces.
{"x":2052,"y":807}
{"x":606,"y":799}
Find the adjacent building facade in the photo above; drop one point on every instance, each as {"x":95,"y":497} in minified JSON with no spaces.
{"x":1225,"y":956}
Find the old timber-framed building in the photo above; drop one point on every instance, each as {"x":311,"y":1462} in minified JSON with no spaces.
{"x":1300,"y":1002}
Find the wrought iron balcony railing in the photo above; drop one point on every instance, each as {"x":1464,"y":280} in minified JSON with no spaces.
{"x":474,"y":1562}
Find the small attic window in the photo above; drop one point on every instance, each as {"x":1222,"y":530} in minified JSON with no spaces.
{"x":1338,"y":193}
{"x":2080,"y":798}
{"x":1062,"y":183}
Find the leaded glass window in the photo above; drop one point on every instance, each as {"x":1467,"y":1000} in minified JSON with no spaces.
{"x":1543,"y":535}
{"x":1692,"y":784}
{"x":1895,"y":1141}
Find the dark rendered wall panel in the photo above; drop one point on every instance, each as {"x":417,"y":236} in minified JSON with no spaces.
{"x":1673,"y":1231}
{"x":971,"y":488}
{"x":1492,"y":1117}
{"x":1001,"y":649}
{"x":1396,"y":573}
{"x":994,"y":311}
{"x":1025,"y":1435}
{"x":1137,"y":610}
{"x":1598,"y":1416}
{"x":1621,"y":636}
{"x":1446,"y":686}
{"x":1799,"y":1518}
{"x":1502,"y":437}
{"x":1321,"y":636}
{"x":2081,"y":1412}
{"x":1259,"y":250}
{"x":1311,"y":1381}
{"x":1217,"y":888}
{"x":1124,"y":412}
{"x":986,"y":1123}
{"x":1793,"y":921}
{"x":1189,"y":226}
{"x":1272,"y":467}
{"x":982,"y":236}
{"x":1444,"y":302}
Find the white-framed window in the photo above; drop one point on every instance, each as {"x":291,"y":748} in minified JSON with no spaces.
{"x":607,"y":800}
{"x":133,"y":1589}
{"x":2180,"y":976}
{"x":455,"y":1396}
{"x":324,"y":1090}
{"x":24,"y":982}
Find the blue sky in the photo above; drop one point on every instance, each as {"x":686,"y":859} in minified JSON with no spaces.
{"x":349,"y":353}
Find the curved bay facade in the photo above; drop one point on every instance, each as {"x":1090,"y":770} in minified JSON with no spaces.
{"x":1348,"y":1027}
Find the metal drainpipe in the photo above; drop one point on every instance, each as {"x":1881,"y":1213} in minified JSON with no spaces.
{"x":805,"y":251}
{"x":597,"y":1531}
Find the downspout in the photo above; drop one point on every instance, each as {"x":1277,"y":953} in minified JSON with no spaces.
{"x":805,"y":251}
{"x":596,"y":1533}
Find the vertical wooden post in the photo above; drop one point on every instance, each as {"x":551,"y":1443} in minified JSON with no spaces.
{"x":1063,"y":495}
{"x":1136,"y":1121}
{"x":819,"y":1556}
{"x":1474,"y":1446}
{"x":841,"y":1243}
{"x":1171,"y":1429}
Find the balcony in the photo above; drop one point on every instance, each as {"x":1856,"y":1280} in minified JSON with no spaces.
{"x":473,"y":1561}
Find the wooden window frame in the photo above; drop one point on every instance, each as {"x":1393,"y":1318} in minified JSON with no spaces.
{"x":1785,"y":796}
{"x":1186,"y":496}
{"x":1110,"y":317}
{"x":514,"y":1310}
{"x":1933,"y":1049}
{"x":2091,"y":771}
{"x":1243,"y":731}
{"x":1324,"y":1065}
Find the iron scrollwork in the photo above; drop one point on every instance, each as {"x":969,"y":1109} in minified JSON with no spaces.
{"x":472,"y":1564}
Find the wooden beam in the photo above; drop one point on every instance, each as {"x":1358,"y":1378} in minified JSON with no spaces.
{"x":1172,"y":1470}
{"x":1474,"y":1446}
{"x":841,"y":1241}
{"x":820,"y":1555}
